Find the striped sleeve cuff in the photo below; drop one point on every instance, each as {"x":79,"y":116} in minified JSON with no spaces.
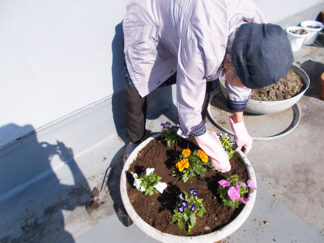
{"x":236,"y":105}
{"x":198,"y":130}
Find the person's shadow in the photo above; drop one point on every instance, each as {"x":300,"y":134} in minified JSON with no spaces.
{"x":40,"y":205}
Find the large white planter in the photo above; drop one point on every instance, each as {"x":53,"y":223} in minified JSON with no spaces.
{"x":164,"y":237}
{"x":266,"y":107}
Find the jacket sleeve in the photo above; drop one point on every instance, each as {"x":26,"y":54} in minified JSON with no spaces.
{"x":237,"y":97}
{"x":191,"y":86}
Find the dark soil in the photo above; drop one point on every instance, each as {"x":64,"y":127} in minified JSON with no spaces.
{"x":299,"y":31}
{"x":286,"y":88}
{"x":157,"y":210}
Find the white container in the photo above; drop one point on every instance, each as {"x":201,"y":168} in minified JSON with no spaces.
{"x":164,"y":237}
{"x":296,"y":39}
{"x":266,"y":107}
{"x":314,"y":27}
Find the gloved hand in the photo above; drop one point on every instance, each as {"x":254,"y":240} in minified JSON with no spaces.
{"x":211,"y":145}
{"x":242,"y":138}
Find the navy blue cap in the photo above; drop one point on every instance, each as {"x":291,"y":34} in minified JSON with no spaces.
{"x":261,"y":54}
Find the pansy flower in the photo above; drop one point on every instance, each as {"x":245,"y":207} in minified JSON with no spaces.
{"x":193,"y":192}
{"x":224,"y":183}
{"x":244,"y":200}
{"x":202,"y":155}
{"x":165,"y":125}
{"x":192,"y":208}
{"x":184,"y":203}
{"x":182,"y":164}
{"x":181,"y":209}
{"x":250,"y":184}
{"x":233,"y":193}
{"x":186,"y":152}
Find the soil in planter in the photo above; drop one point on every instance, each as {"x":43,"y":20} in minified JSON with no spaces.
{"x":157,"y":210}
{"x":286,"y":88}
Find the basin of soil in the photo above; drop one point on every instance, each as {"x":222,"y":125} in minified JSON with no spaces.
{"x":287,"y":87}
{"x":157,"y":210}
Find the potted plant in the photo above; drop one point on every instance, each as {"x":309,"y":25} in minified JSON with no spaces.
{"x":191,"y":207}
{"x":296,"y":36}
{"x":261,"y":104}
{"x":314,"y":27}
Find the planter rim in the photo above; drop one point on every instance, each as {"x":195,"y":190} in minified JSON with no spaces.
{"x":305,"y":24}
{"x":288,"y":29}
{"x":165,"y":237}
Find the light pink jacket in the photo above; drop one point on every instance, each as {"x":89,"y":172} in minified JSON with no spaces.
{"x":184,"y":36}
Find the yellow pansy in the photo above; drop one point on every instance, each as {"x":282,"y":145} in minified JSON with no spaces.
{"x":186,"y":152}
{"x":202,"y":155}
{"x":182,"y":164}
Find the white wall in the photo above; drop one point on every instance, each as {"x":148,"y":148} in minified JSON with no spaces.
{"x":277,"y":10}
{"x":56,"y":57}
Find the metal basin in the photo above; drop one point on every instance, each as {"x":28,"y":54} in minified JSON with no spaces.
{"x":266,"y":107}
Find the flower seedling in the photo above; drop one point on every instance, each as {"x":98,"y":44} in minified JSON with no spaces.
{"x":227,"y":144}
{"x":149,"y":182}
{"x":232,"y":191}
{"x":188,"y":206}
{"x":191,"y":164}
{"x":169,"y":133}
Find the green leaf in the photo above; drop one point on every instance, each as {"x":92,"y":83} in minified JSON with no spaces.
{"x":186,"y":217}
{"x":174,"y":218}
{"x":189,"y":228}
{"x":193,"y":220}
{"x":180,"y":224}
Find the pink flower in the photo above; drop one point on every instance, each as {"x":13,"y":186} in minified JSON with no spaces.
{"x":233,"y":193}
{"x":244,"y":200}
{"x":237,"y":187}
{"x":224,"y":183}
{"x":251,"y":184}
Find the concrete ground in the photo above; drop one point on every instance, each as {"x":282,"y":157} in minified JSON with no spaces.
{"x":290,"y":199}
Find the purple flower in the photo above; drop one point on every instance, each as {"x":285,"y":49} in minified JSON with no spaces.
{"x":224,"y":183}
{"x":193,"y":192}
{"x":184,"y":203}
{"x":250,"y":184}
{"x":181,"y":209}
{"x":176,"y":127}
{"x":233,"y":193}
{"x":192,"y":208}
{"x":180,"y":195}
{"x":244,"y":200}
{"x":165,"y":125}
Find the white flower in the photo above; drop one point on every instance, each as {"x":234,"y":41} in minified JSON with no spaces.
{"x":160,"y":186}
{"x":149,"y":171}
{"x":137,"y":183}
